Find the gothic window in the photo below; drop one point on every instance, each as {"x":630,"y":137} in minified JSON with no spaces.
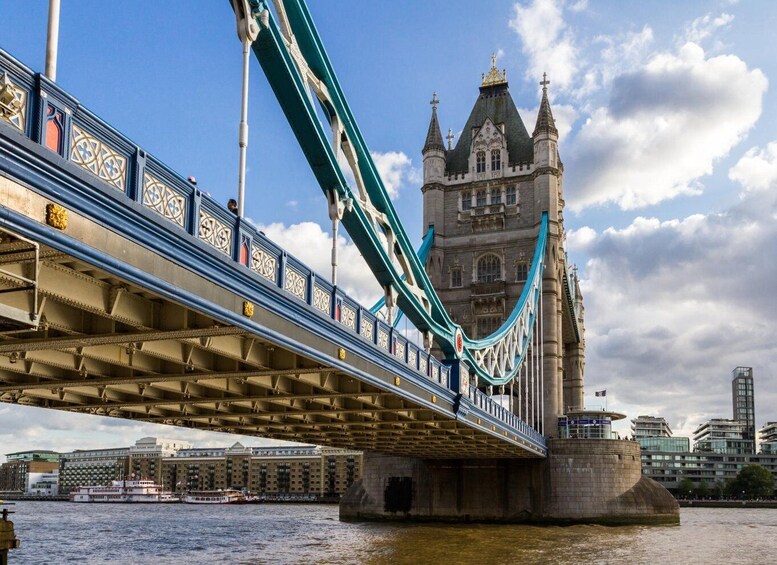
{"x":496,"y":159}
{"x":480,"y":198}
{"x":488,"y":325}
{"x":496,"y":196}
{"x":489,"y":269}
{"x":466,"y":200}
{"x":480,"y":160}
{"x":511,"y":196}
{"x":522,"y":272}
{"x":456,"y":277}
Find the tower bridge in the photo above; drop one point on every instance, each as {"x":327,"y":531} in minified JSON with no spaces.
{"x":125,"y":291}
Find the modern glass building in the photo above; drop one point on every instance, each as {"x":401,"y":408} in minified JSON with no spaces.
{"x":743,"y":399}
{"x":649,"y":427}
{"x":671,"y":468}
{"x":768,"y":437}
{"x":670,"y":444}
{"x":722,"y":436}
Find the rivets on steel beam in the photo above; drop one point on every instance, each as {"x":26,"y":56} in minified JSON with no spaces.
{"x":397,"y":380}
{"x":248,"y":308}
{"x":341,"y":354}
{"x":56,"y":216}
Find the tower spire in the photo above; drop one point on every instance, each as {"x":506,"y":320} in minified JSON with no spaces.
{"x":433,"y":136}
{"x":545,"y":121}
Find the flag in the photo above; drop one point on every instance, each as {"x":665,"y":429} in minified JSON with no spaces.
{"x":601,"y":392}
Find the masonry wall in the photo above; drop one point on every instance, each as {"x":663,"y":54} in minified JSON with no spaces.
{"x":588,"y":481}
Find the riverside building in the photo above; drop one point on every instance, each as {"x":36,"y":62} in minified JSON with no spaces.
{"x":768,"y":437}
{"x":30,"y":472}
{"x":295,"y":472}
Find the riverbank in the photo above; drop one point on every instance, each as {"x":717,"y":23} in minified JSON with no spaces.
{"x":727,"y":503}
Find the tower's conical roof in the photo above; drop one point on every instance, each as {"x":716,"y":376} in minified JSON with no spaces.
{"x":545,"y":121}
{"x":496,"y":104}
{"x":433,"y":136}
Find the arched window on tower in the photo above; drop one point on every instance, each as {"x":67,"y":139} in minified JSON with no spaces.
{"x":480,"y":198}
{"x":480,"y":162}
{"x":522,"y":272}
{"x":496,"y":159}
{"x":489,"y":269}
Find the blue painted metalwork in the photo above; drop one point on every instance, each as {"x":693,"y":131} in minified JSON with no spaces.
{"x":262,"y":281}
{"x":423,"y":255}
{"x":292,"y":62}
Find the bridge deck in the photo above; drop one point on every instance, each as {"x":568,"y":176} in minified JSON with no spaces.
{"x":157,"y":305}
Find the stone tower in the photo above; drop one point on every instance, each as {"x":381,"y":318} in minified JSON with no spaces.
{"x":485,"y":198}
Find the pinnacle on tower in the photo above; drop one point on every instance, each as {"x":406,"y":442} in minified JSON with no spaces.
{"x":545,"y":121}
{"x":433,"y":136}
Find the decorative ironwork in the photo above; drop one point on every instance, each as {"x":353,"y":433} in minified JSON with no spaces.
{"x":215,"y":232}
{"x":383,"y":339}
{"x":56,"y":216}
{"x":412,"y":357}
{"x":367,"y":328}
{"x":322,"y":300}
{"x":13,"y":103}
{"x":163,"y":199}
{"x":435,"y":372}
{"x":97,"y":157}
{"x":423,"y":365}
{"x":264,"y":263}
{"x":399,"y":349}
{"x":348,"y":317}
{"x":295,"y":283}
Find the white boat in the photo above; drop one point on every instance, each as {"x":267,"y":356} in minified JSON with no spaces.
{"x":228,"y":496}
{"x":122,"y":491}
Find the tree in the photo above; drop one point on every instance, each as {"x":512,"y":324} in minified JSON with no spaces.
{"x":753,"y":481}
{"x":703,"y":490}
{"x":685,"y":488}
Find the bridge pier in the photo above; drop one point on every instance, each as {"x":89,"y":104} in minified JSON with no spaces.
{"x":582,"y":481}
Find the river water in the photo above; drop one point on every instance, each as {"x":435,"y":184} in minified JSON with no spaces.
{"x":62,"y":532}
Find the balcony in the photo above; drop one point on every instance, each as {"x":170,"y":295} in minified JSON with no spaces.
{"x":484,"y":218}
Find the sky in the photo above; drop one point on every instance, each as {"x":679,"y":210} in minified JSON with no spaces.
{"x":668,"y":131}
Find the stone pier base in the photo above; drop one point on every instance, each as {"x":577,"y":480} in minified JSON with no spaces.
{"x":582,"y":481}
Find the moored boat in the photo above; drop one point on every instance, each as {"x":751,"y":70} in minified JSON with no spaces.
{"x":228,"y":496}
{"x":122,"y":491}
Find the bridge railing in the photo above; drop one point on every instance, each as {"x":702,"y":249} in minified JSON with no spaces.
{"x":488,"y":405}
{"x":48,"y":115}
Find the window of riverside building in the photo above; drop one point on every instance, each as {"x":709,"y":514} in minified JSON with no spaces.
{"x":496,"y":196}
{"x":488,"y":325}
{"x":480,"y":198}
{"x":480,"y":161}
{"x":489,"y":269}
{"x":456,"y":277}
{"x":496,"y":160}
{"x":511,"y":196}
{"x":466,"y":200}
{"x":522,"y":272}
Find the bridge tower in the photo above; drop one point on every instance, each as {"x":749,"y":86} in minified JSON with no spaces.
{"x":485,"y":197}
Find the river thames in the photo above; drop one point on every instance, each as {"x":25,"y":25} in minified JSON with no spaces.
{"x":60,"y":532}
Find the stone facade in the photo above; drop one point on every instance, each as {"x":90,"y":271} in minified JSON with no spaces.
{"x":582,"y":481}
{"x":485,"y":198}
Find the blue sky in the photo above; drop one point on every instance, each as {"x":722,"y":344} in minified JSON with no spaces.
{"x":666,"y":116}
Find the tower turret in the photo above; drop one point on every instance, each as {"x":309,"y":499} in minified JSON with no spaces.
{"x":547,"y":167}
{"x":434,"y":150}
{"x":434,"y":171}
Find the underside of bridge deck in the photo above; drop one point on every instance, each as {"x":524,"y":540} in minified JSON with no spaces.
{"x":104,"y":346}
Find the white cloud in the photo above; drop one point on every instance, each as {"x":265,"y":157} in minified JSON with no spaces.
{"x":396,"y":170}
{"x":547,"y":41}
{"x":757,"y":169}
{"x":705,"y":26}
{"x":26,"y":428}
{"x":672,"y":306}
{"x":564,"y":115}
{"x":666,"y":124}
{"x":309,"y":243}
